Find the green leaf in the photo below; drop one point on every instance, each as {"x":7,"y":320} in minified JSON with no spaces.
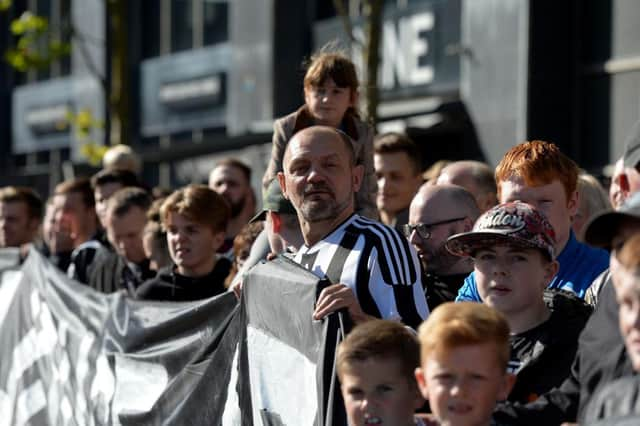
{"x":16,"y":60}
{"x":5,"y":5}
{"x":39,"y":23}
{"x":17,"y":27}
{"x":24,"y":43}
{"x":34,"y":22}
{"x":33,"y":49}
{"x":93,"y":152}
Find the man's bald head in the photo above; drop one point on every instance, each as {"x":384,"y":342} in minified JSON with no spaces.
{"x":319,"y":133}
{"x":320,"y":179}
{"x":476,"y":177}
{"x":449,"y":199}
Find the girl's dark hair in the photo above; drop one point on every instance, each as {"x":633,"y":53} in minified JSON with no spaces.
{"x":337,"y":66}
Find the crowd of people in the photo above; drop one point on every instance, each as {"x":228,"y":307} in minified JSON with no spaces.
{"x":479,"y":295}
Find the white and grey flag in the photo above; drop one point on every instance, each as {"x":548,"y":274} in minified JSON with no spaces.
{"x":72,"y":356}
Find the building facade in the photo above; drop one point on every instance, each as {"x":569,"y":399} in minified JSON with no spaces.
{"x":206,"y":79}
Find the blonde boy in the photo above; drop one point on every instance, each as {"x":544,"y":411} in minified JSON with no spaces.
{"x":464,"y":350}
{"x":376,"y":364}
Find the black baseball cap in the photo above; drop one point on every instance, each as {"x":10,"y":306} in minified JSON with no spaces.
{"x":603,"y":227}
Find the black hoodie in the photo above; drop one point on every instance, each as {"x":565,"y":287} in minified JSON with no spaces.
{"x":169,"y":285}
{"x":542,"y":357}
{"x":601,"y":358}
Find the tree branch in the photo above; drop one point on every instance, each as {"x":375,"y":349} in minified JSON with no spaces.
{"x":373,"y":30}
{"x":346,"y":21}
{"x":93,"y":68}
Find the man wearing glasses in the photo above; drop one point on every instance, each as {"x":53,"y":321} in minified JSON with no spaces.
{"x":436,"y":213}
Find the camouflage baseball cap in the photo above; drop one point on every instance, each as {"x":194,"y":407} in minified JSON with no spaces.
{"x":515,"y":223}
{"x":274,"y":201}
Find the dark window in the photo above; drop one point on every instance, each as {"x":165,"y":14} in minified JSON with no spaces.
{"x":181,"y":25}
{"x":150,"y":29}
{"x":215,"y":22}
{"x":325,"y":10}
{"x":43,"y":8}
{"x":65,"y":31}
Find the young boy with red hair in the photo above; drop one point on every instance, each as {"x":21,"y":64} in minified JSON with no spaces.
{"x":539,"y":174}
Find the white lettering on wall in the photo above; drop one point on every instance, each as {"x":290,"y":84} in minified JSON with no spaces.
{"x":404,"y":44}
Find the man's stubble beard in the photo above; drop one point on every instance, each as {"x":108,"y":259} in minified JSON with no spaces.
{"x":318,"y":211}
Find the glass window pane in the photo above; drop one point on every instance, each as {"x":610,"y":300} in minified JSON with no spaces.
{"x":181,"y":25}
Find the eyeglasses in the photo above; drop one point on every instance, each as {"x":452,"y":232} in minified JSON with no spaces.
{"x":424,"y":229}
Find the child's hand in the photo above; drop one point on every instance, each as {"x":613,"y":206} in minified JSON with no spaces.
{"x":272,"y":255}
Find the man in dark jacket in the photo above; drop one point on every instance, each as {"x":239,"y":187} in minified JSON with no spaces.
{"x":125,"y":219}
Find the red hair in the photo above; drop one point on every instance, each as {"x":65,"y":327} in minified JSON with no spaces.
{"x":538,"y":163}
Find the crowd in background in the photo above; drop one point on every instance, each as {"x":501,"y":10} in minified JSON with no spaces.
{"x":549,"y":256}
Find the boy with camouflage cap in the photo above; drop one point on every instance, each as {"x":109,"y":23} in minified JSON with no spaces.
{"x":512,"y":246}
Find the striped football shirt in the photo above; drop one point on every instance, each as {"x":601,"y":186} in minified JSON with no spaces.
{"x":377,"y":263}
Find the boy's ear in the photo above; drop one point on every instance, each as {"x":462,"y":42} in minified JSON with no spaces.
{"x":507,"y":384}
{"x":283,"y":184}
{"x":551,"y":270}
{"x":356,"y":176}
{"x":422,"y":383}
